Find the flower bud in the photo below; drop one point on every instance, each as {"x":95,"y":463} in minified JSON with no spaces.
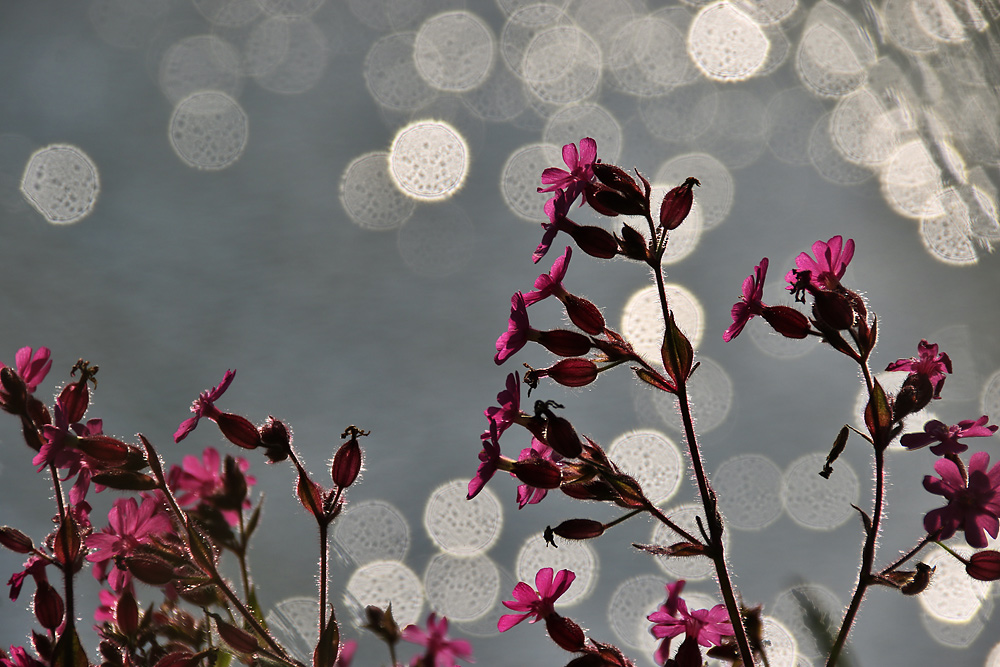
{"x":104,"y":449}
{"x":573,"y":372}
{"x":276,"y":439}
{"x":238,"y":430}
{"x":127,"y":614}
{"x":595,"y":241}
{"x":561,"y":436}
{"x":595,"y":489}
{"x":633,"y":244}
{"x":984,"y":566}
{"x":584,"y":314}
{"x":346,"y":464}
{"x":579,"y":529}
{"x":74,"y":399}
{"x":239,"y":640}
{"x":921,"y":579}
{"x":834,"y":309}
{"x":539,"y":473}
{"x":677,"y":204}
{"x":48,"y":606}
{"x":787,"y":321}
{"x":564,"y":343}
{"x":382,"y":624}
{"x":15,"y":540}
{"x":13,"y":392}
{"x":149,"y":569}
{"x":620,"y":203}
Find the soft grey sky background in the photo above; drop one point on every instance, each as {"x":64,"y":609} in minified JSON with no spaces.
{"x":266,"y":260}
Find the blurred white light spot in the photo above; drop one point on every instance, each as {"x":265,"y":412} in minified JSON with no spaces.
{"x":460,"y":526}
{"x":834,"y":53}
{"x":382,"y":582}
{"x":61,"y":182}
{"x":902,"y":29}
{"x":371,"y":530}
{"x":208,"y":130}
{"x":370,"y":196}
{"x":576,"y":121}
{"x":562,"y":65}
{"x":653,"y":459}
{"x":828,"y":161}
{"x":953,"y":595}
{"x":861,"y":129}
{"x":303,"y":62}
{"x":521,"y":28}
{"x":911,"y":181}
{"x":198,"y":63}
{"x":642,"y":319}
{"x":682,"y":116}
{"x":574,"y":555}
{"x":993,"y":659}
{"x":649,"y":57}
{"x":989,"y":400}
{"x":946,"y":236}
{"x":814,"y":502}
{"x":295,"y":623}
{"x":454,"y":51}
{"x":500,"y":98}
{"x":437,"y":242}
{"x":291,"y":8}
{"x":937,"y":18}
{"x":630,"y":604}
{"x":782,"y":649}
{"x":767,"y":12}
{"x":749,"y":488}
{"x":228,"y":13}
{"x":391,"y":75}
{"x":687,"y":567}
{"x":461,"y":588}
{"x":429,"y":160}
{"x":727,"y":44}
{"x":714,"y":199}
{"x":521,"y":177}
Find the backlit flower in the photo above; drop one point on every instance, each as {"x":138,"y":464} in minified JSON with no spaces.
{"x":204,"y":406}
{"x":129,"y":525}
{"x":973,"y":501}
{"x":441,"y":651}
{"x":928,"y":364}
{"x":947,"y":436}
{"x":706,"y":627}
{"x":828,"y":266}
{"x":581,"y":170}
{"x":536,"y":604}
{"x":750,"y":303}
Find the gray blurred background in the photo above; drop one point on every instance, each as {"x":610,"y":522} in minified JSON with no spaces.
{"x":188,"y":186}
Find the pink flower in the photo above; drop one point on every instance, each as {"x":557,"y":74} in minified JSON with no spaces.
{"x":556,"y":209}
{"x":204,"y":406}
{"x":129,"y":526}
{"x":347,"y":650}
{"x":550,"y":283}
{"x":750,"y":303}
{"x":19,"y":658}
{"x":536,"y":604}
{"x":947,"y":436}
{"x":509,"y":410}
{"x":702,"y":626}
{"x":517,"y":332}
{"x":826,"y":270}
{"x":200,"y":481}
{"x":489,"y":461}
{"x":973,"y":500}
{"x":928,"y":364}
{"x":530,"y":495}
{"x":32,"y":367}
{"x":441,"y":651}
{"x":580,"y":174}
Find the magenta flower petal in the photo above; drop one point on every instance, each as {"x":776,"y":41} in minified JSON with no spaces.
{"x":750,"y":303}
{"x":516,"y":335}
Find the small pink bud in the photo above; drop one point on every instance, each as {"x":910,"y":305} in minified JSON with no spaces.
{"x":74,"y":399}
{"x":48,"y":606}
{"x":677,"y":204}
{"x":346,"y":463}
{"x":787,"y":321}
{"x":105,"y":449}
{"x":15,"y":540}
{"x":984,"y":566}
{"x":238,"y":430}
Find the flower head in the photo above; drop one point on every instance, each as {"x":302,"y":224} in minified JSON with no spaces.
{"x":536,"y":602}
{"x":750,"y":303}
{"x":702,"y":626}
{"x":441,"y":651}
{"x":927,"y":365}
{"x":204,"y":406}
{"x":581,"y":170}
{"x":550,"y":283}
{"x":201,"y":481}
{"x":130,"y":525}
{"x":973,"y":500}
{"x":530,"y":495}
{"x":829,"y":265}
{"x":509,"y":408}
{"x":489,"y":460}
{"x":947,"y":436}
{"x":517,"y":332}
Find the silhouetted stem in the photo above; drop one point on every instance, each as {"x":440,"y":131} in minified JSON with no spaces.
{"x":67,"y":568}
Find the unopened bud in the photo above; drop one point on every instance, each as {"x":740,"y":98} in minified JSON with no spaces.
{"x":572,"y":372}
{"x":346,"y":464}
{"x":564,"y":343}
{"x":584,"y":314}
{"x":149,"y":569}
{"x":276,"y":439}
{"x":787,"y":321}
{"x":561,"y":436}
{"x":74,"y":399}
{"x":238,"y":430}
{"x":539,"y":473}
{"x":127,"y":614}
{"x":48,"y":606}
{"x":921,"y":579}
{"x":15,"y":540}
{"x":595,"y":241}
{"x":382,"y":624}
{"x":633,"y":244}
{"x":579,"y":529}
{"x":105,"y":449}
{"x":239,"y":640}
{"x":677,"y":204}
{"x":835,"y":309}
{"x":984,"y":566}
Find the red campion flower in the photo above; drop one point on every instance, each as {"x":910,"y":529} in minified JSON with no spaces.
{"x":973,"y":500}
{"x":204,"y":406}
{"x":580,"y":174}
{"x":750,"y":303}
{"x":441,"y":651}
{"x":702,"y":626}
{"x":829,"y":265}
{"x":947,"y":436}
{"x":199,"y":480}
{"x":536,"y":605}
{"x":130,"y":525}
